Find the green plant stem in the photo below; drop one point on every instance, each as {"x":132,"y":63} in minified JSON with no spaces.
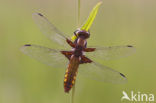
{"x":78,"y":25}
{"x":73,"y":93}
{"x":78,"y":11}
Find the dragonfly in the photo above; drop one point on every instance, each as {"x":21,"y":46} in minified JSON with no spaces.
{"x":76,"y":55}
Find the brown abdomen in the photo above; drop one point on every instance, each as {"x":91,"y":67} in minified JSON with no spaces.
{"x":70,"y":75}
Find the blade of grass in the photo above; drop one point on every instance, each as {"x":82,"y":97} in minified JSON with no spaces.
{"x":91,"y":17}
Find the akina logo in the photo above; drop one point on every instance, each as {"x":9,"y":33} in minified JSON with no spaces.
{"x":137,"y":97}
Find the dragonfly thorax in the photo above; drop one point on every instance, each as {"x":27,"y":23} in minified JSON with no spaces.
{"x":78,"y":51}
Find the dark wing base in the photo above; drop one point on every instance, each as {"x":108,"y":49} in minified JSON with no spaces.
{"x":84,"y":59}
{"x":67,"y":54}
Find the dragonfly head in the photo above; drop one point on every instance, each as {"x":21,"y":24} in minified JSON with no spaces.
{"x":82,"y":34}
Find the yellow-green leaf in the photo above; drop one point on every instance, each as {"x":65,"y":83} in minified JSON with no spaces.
{"x":91,"y":17}
{"x":74,"y":37}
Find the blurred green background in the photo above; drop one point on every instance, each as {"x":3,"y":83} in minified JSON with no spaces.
{"x":119,"y":22}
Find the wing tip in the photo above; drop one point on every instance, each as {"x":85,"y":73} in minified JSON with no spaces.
{"x":24,"y":47}
{"x":124,"y":79}
{"x":27,"y":45}
{"x":133,"y":49}
{"x":122,"y":75}
{"x":39,"y":14}
{"x":129,"y":46}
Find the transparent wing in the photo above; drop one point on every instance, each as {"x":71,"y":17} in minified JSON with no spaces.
{"x":101,"y":73}
{"x":45,"y":55}
{"x":49,"y":29}
{"x":108,"y":53}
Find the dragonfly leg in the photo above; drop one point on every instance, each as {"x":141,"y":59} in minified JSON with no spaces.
{"x":70,"y":43}
{"x":84,"y":59}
